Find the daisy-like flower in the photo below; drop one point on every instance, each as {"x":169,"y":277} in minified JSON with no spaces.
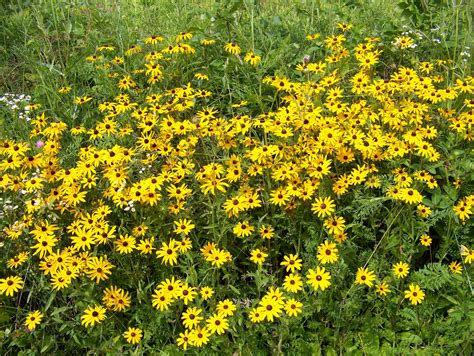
{"x":10,"y":285}
{"x":133,"y":335}
{"x":191,"y":317}
{"x":232,"y":48}
{"x":293,"y":307}
{"x":255,"y":316}
{"x":252,"y":58}
{"x":455,"y":267}
{"x":243,"y":229}
{"x":292,"y":263}
{"x":258,"y":256}
{"x":335,"y":225}
{"x":313,"y":36}
{"x":425,"y":240}
{"x":93,"y":315}
{"x":226,"y":307}
{"x":468,"y":254}
{"x":33,"y":319}
{"x":364,"y":276}
{"x":382,"y":289}
{"x":319,"y":278}
{"x":183,"y":339}
{"x":217,"y":324}
{"x":323,"y":207}
{"x":293,"y":283}
{"x":206,"y":292}
{"x":415,"y":294}
{"x":183,"y":226}
{"x":266,"y":232}
{"x":168,"y":253}
{"x":327,"y":252}
{"x":80,"y":100}
{"x":401,"y":269}
{"x":154,"y":39}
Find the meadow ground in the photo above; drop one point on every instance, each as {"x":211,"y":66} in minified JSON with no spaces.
{"x":232,"y":177}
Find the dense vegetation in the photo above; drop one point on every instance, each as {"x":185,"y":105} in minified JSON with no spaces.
{"x":236,"y":177}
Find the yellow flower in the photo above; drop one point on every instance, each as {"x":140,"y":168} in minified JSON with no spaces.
{"x":468,"y":253}
{"x":168,"y":253}
{"x":232,"y":48}
{"x":415,"y":294}
{"x":191,"y":317}
{"x":382,"y":289}
{"x":255,"y":316}
{"x":64,"y":90}
{"x":201,"y":76}
{"x":183,"y":339}
{"x":292,"y":263}
{"x":133,"y":335}
{"x":207,"y":42}
{"x":293,"y":307}
{"x":183,"y":226}
{"x":319,"y":278}
{"x":364,"y":276}
{"x":184,"y":36}
{"x":293,"y":283}
{"x":313,"y":36}
{"x":252,"y":58}
{"x":206,"y":292}
{"x":344,"y":27}
{"x":10,"y":285}
{"x":153,"y":39}
{"x":226,"y":307}
{"x":80,"y":100}
{"x":423,"y":210}
{"x":455,"y":267}
{"x":98,"y":268}
{"x":243,"y":229}
{"x":18,"y":260}
{"x":33,"y":319}
{"x":199,"y":336}
{"x":216,"y":323}
{"x":327,"y":252}
{"x":425,"y":240}
{"x":401,"y":269}
{"x":266,"y":232}
{"x":323,"y":206}
{"x":93,"y":315}
{"x":335,"y":225}
{"x":403,"y":42}
{"x":258,"y":256}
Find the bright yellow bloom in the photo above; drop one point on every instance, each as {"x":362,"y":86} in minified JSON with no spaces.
{"x":258,"y":256}
{"x":401,"y":269}
{"x":93,"y":315}
{"x":382,"y":289}
{"x":323,"y":207}
{"x":252,"y":58}
{"x":319,"y":278}
{"x":293,"y":307}
{"x":33,"y":319}
{"x":327,"y":252}
{"x":292,"y":263}
{"x":10,"y":285}
{"x":364,"y":276}
{"x":183,"y":226}
{"x":415,"y":294}
{"x":232,"y":48}
{"x":133,"y":335}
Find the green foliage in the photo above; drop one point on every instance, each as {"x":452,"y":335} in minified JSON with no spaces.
{"x":42,"y":47}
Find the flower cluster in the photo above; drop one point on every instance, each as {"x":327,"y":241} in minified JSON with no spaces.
{"x":169,"y":188}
